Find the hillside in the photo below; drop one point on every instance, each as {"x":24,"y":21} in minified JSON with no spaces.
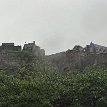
{"x":40,"y":81}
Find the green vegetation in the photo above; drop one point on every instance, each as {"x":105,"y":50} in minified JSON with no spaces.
{"x":40,"y":85}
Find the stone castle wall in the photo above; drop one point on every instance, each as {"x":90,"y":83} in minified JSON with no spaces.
{"x":14,"y":55}
{"x":78,"y":58}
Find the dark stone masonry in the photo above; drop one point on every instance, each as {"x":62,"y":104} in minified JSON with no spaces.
{"x":12,"y":55}
{"x":79,"y":57}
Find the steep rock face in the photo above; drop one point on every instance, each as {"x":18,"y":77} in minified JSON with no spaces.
{"x":72,"y":59}
{"x":59,"y":59}
{"x":12,"y":56}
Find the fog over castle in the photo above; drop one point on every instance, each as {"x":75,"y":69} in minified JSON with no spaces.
{"x":55,"y":25}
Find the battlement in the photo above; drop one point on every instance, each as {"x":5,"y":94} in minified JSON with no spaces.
{"x":9,"y":47}
{"x":15,"y":55}
{"x":7,"y":44}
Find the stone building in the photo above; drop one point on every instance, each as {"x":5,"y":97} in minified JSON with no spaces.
{"x":79,"y":57}
{"x":14,"y":55}
{"x":9,"y":47}
{"x":32,"y":47}
{"x":95,"y":49}
{"x":9,"y":54}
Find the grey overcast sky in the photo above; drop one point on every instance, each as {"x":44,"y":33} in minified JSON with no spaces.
{"x":55,"y":25}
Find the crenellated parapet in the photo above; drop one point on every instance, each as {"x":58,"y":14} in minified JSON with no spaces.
{"x":9,"y":47}
{"x":14,"y":55}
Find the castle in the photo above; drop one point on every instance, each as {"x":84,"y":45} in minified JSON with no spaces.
{"x":11,"y":54}
{"x":80,"y":57}
{"x":32,"y":47}
{"x":96,"y":49}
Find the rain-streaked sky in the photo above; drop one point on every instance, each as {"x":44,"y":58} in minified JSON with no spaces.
{"x":55,"y":25}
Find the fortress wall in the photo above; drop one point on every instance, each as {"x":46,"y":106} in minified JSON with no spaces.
{"x":71,"y":60}
{"x":10,"y":58}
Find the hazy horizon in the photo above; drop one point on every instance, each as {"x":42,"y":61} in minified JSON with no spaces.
{"x":55,"y":25}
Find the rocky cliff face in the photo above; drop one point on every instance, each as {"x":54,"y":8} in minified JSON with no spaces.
{"x":12,"y":56}
{"x":76,"y":59}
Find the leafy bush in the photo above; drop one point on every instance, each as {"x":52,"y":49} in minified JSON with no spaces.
{"x":50,"y":88}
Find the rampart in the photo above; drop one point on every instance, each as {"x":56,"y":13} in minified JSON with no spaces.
{"x":14,"y":55}
{"x":79,"y":57}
